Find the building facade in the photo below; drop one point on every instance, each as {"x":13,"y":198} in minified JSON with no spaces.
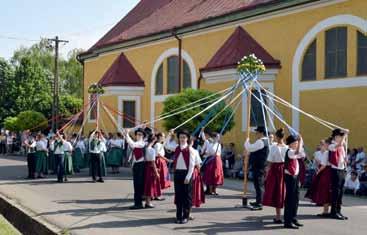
{"x":315,"y":53}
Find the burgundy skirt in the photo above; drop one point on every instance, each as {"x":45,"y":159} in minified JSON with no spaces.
{"x":164,"y":177}
{"x":198,"y":195}
{"x":213,"y":173}
{"x":152,"y":187}
{"x":274,"y":194}
{"x":320,"y":190}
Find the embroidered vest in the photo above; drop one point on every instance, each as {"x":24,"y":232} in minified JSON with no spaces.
{"x":336,"y":156}
{"x":186,"y":155}
{"x":138,"y":153}
{"x":290,"y":164}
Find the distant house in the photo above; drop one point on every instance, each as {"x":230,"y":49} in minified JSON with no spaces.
{"x":315,"y":52}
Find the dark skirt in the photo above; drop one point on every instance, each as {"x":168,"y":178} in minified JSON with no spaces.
{"x":274,"y":194}
{"x":114,"y":157}
{"x":51,"y":162}
{"x":152,"y":187}
{"x":102,"y":165}
{"x":78,"y":159}
{"x":41,"y":162}
{"x":320,"y":190}
{"x":213,"y":172}
{"x":198,"y":195}
{"x":164,"y":177}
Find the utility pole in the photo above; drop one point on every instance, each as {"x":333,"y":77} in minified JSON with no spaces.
{"x":55,"y":100}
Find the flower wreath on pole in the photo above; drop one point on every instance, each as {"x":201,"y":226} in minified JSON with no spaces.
{"x":250,"y":64}
{"x":95,"y":89}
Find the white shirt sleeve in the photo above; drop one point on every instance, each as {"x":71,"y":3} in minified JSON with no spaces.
{"x":259,"y":144}
{"x":150,"y":155}
{"x":191,"y":167}
{"x":332,"y":147}
{"x":133,"y":144}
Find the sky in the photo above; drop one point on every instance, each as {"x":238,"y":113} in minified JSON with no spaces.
{"x":81,"y":22}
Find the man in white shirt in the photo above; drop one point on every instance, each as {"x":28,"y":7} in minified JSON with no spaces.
{"x":184,"y":164}
{"x":352,"y":184}
{"x":58,"y":148}
{"x":137,"y":157}
{"x":258,"y":155}
{"x":30,"y":145}
{"x":338,"y":160}
{"x":360,"y":159}
{"x":96,"y":145}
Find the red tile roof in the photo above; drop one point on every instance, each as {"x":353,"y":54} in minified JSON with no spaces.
{"x":238,"y":45}
{"x":155,"y":16}
{"x":121,"y":73}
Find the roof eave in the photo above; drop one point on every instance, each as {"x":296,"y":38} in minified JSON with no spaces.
{"x":195,"y":26}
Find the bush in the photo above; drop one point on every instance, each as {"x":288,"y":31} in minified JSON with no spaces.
{"x":32,"y":120}
{"x":189,"y":96}
{"x":11,"y":124}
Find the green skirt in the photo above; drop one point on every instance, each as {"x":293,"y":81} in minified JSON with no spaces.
{"x":114,"y":157}
{"x":78,"y":159}
{"x":68,"y":163}
{"x":41,"y":162}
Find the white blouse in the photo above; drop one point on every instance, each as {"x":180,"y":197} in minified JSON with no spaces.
{"x":277,"y":153}
{"x":150,"y":154}
{"x":159,"y":148}
{"x":322,"y":158}
{"x":117,"y":143}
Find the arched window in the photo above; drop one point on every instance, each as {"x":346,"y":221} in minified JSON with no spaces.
{"x":309,"y":63}
{"x":336,"y":52}
{"x":159,"y":81}
{"x":171,"y":77}
{"x":362,"y":54}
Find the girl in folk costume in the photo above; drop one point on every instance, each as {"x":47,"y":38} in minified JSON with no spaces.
{"x":41,"y":155}
{"x":274,"y":194}
{"x":30,"y":144}
{"x":68,"y":150}
{"x":97,"y":144}
{"x":338,"y":161}
{"x":320,"y":190}
{"x":183,"y":165}
{"x":152,"y":188}
{"x":213,"y":172}
{"x":114,"y":155}
{"x":291,"y":178}
{"x":51,"y":157}
{"x":198,"y":194}
{"x":137,"y":158}
{"x":78,"y":154}
{"x":161,"y":162}
{"x":58,"y":149}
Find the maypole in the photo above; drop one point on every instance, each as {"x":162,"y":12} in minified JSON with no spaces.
{"x":249,"y":68}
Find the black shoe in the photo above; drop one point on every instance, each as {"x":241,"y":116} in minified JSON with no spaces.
{"x":255,"y":204}
{"x":177,"y":221}
{"x":191,"y":217}
{"x":277,"y":221}
{"x":101,"y":180}
{"x":159,"y":199}
{"x":59,"y":181}
{"x":290,"y":226}
{"x":295,"y":222}
{"x":135,"y":207}
{"x":345,"y":218}
{"x":184,"y":221}
{"x":337,"y":216}
{"x":148,"y":206}
{"x":323,"y":215}
{"x":66,"y":180}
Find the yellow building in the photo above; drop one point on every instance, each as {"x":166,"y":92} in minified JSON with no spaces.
{"x":315,"y":51}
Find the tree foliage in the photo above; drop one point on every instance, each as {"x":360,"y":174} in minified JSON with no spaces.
{"x":26,"y":82}
{"x":11,"y":124}
{"x":26,"y":120}
{"x":189,"y":96}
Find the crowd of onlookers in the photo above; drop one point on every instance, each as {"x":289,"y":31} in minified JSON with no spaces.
{"x":10,"y":142}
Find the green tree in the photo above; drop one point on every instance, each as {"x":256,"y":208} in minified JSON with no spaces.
{"x":71,"y":75}
{"x":6,"y":78}
{"x":189,"y":96}
{"x":31,"y":120}
{"x":70,"y":105}
{"x":11,"y":124}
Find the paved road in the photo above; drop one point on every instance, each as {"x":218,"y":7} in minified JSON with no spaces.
{"x":84,"y":208}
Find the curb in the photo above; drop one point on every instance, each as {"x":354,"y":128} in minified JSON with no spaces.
{"x":23,"y":220}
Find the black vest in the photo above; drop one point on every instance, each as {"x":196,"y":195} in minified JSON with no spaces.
{"x":258,"y":158}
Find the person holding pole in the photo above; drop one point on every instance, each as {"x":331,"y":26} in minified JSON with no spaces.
{"x":258,"y":155}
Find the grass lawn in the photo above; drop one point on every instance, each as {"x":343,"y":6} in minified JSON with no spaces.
{"x":6,"y":228}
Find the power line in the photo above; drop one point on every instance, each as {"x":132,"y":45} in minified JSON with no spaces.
{"x":18,"y":38}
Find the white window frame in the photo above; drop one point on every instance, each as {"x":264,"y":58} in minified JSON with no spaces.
{"x":121,"y":99}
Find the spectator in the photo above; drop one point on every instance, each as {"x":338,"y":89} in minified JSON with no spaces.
{"x":363,"y":181}
{"x":2,"y":142}
{"x":230,"y":155}
{"x":360,"y":159}
{"x":351,"y":185}
{"x":9,"y":143}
